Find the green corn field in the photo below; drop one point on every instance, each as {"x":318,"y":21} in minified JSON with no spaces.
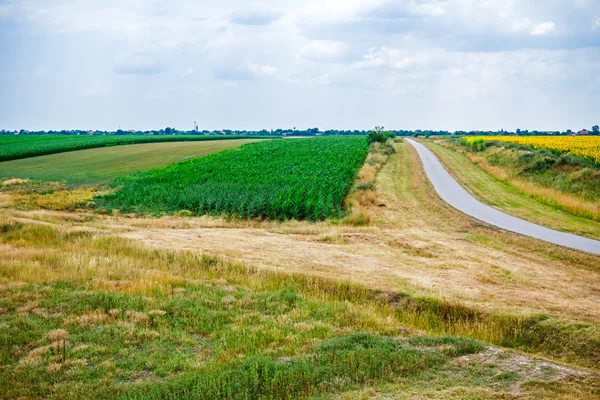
{"x":304,"y":179}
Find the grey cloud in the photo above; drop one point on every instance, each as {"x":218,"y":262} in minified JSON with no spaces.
{"x":464,"y":26}
{"x":402,"y":10}
{"x":229,"y":73}
{"x":256,"y":14}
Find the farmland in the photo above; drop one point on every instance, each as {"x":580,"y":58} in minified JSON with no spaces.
{"x":585,"y":147}
{"x":418,"y":302}
{"x":300,"y":179}
{"x":101,"y":165}
{"x":17,"y":147}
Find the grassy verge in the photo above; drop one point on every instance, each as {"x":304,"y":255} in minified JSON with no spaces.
{"x":363,"y":194}
{"x":493,"y":186}
{"x":562,"y":180}
{"x":102,"y":165}
{"x":284,"y":179}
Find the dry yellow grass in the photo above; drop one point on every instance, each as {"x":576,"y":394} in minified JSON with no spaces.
{"x":362,"y":197}
{"x":367,"y":173}
{"x":50,"y":196}
{"x":15,"y":181}
{"x":366,"y":197}
{"x":565,"y":201}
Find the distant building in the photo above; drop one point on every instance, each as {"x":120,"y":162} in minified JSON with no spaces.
{"x":583,"y":132}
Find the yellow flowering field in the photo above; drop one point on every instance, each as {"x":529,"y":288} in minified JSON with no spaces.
{"x":583,"y":146}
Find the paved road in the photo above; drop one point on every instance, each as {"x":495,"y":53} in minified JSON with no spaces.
{"x":454,"y":194}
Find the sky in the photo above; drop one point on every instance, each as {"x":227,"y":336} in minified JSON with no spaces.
{"x":331,"y":64}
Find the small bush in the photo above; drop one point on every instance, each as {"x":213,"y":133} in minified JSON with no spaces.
{"x":365,"y":186}
{"x":358,"y":217}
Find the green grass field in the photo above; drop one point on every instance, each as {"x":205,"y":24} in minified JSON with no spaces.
{"x":97,"y":166}
{"x":24,"y":146}
{"x":282,"y":179}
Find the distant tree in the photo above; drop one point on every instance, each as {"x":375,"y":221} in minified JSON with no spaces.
{"x":596,"y":129}
{"x":378,"y":134}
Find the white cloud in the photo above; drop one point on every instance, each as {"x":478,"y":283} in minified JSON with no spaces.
{"x":431,"y":10}
{"x":543,"y":28}
{"x":323,"y":50}
{"x":221,"y":43}
{"x":188,"y":72}
{"x":534,"y":29}
{"x":523,"y":24}
{"x":247,"y":72}
{"x":260,"y":71}
{"x":42,"y":71}
{"x":384,"y":57}
{"x":323,"y":80}
{"x":596,"y":23}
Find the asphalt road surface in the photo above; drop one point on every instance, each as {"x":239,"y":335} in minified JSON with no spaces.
{"x":454,"y":194}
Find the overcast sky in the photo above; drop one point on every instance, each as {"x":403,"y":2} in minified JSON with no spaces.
{"x":346,"y":64}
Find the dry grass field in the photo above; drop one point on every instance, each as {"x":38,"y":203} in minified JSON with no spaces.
{"x":135,"y":307}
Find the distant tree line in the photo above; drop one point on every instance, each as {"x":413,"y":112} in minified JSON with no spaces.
{"x":595,"y":130}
